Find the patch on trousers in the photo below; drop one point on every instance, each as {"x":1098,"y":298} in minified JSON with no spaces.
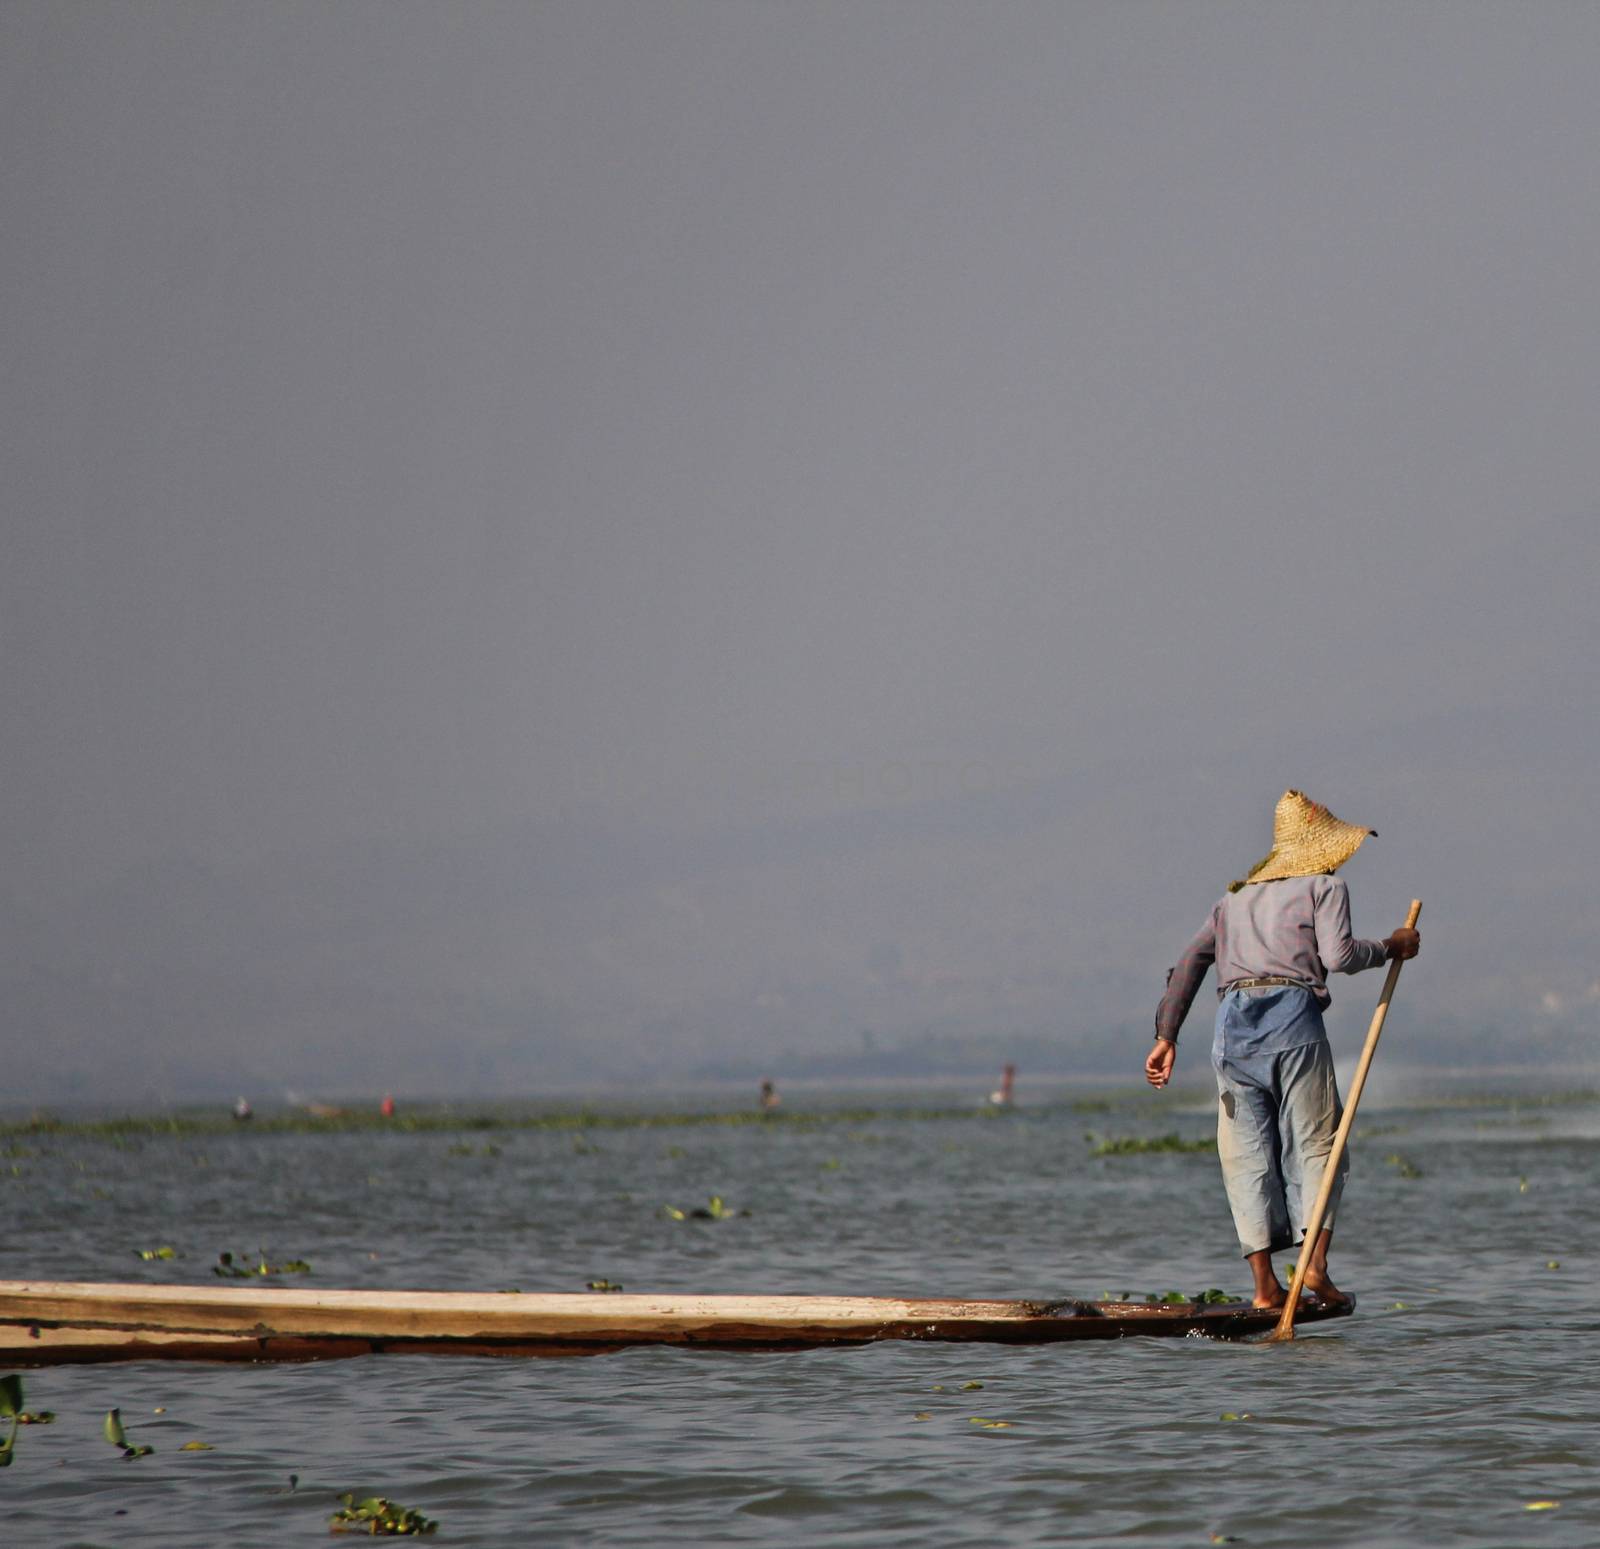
{"x":1227,"y":1103}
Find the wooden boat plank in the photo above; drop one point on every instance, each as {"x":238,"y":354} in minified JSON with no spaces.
{"x":42,"y":1322}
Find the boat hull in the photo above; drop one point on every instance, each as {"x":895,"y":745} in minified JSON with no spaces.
{"x":46,"y":1323}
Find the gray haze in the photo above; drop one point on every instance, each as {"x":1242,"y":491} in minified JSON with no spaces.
{"x":555,"y":543}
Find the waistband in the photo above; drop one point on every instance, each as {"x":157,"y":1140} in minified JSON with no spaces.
{"x":1263,"y":984}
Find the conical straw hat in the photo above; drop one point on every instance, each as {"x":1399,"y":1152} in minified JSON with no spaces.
{"x":1306,"y":839}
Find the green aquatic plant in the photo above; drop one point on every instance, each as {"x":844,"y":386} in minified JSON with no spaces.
{"x":1403,"y":1166}
{"x":241,"y":1268}
{"x":10,"y":1408}
{"x":605,"y":1285}
{"x":1208,"y":1298}
{"x":1138,"y":1145}
{"x":118,"y":1437}
{"x":379,"y":1517}
{"x":715,"y":1209}
{"x":165,"y":1251}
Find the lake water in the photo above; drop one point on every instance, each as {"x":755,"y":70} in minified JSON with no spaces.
{"x":1466,"y":1387}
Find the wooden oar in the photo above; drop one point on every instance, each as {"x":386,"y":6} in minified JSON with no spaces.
{"x":1285,"y":1328}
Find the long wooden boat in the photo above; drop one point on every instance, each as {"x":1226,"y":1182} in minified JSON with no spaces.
{"x":46,"y":1323}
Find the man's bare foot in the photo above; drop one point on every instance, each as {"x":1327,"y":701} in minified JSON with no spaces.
{"x":1321,"y":1287}
{"x":1266,"y":1292}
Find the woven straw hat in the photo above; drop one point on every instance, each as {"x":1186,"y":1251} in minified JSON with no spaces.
{"x":1306,"y":839}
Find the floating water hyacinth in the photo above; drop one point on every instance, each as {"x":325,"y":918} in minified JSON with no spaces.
{"x":165,"y":1251}
{"x":715,"y":1209}
{"x":118,"y":1437}
{"x":10,"y":1407}
{"x":1209,"y":1297}
{"x":231,"y":1268}
{"x":1134,"y":1145}
{"x":380,"y":1517}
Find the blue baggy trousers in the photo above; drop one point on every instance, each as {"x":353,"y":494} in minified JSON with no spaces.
{"x":1277,"y":1112}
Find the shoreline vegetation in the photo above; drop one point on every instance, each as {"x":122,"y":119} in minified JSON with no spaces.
{"x":446,"y":1119}
{"x":424,"y":1120}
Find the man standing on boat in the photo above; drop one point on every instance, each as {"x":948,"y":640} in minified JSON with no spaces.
{"x":1274,"y":938}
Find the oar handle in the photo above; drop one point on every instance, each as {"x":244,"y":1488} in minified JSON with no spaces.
{"x":1285,"y":1328}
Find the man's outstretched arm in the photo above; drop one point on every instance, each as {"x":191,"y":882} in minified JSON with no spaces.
{"x":1184,"y":979}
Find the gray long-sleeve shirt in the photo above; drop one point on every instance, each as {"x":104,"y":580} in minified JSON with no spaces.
{"x":1295,"y":928}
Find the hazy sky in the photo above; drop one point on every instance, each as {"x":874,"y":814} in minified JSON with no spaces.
{"x":573,"y":541}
